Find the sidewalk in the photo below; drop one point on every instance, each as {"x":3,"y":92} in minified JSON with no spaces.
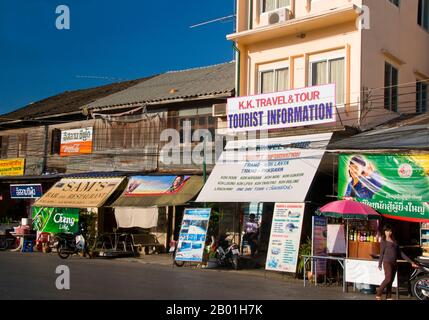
{"x":166,"y":260}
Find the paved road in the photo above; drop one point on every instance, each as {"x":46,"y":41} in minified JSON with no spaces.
{"x":32,"y":276}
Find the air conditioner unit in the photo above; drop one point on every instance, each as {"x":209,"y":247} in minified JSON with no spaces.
{"x":278,"y":16}
{"x":219,"y":110}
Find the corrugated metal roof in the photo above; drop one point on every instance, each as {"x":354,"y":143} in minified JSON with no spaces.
{"x":170,"y":86}
{"x":397,"y":138}
{"x":67,"y":102}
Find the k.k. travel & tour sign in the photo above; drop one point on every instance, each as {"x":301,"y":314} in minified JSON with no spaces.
{"x":75,"y":142}
{"x":25,"y":191}
{"x":12,"y":167}
{"x":55,"y":220}
{"x":397,"y":186}
{"x":293,"y":108}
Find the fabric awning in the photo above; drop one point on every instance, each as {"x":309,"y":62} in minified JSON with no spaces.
{"x":148,"y":191}
{"x":266,"y":170}
{"x":145,"y":218}
{"x":80,"y":192}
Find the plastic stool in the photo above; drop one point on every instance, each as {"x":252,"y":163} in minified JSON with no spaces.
{"x":27,"y":246}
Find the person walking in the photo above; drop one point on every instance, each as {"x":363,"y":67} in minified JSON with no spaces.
{"x":389,"y":254}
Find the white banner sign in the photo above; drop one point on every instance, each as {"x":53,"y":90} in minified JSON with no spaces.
{"x":285,"y":237}
{"x":293,"y":108}
{"x":367,"y":272}
{"x":271,"y":170}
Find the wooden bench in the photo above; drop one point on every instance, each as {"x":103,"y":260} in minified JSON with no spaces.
{"x":146,"y":243}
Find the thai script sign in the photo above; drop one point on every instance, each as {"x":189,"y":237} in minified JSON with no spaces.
{"x":397,"y":186}
{"x":25,"y":191}
{"x":75,"y":142}
{"x":12,"y":167}
{"x":294,"y":108}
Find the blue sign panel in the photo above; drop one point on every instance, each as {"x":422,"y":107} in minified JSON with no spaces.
{"x":25,"y":191}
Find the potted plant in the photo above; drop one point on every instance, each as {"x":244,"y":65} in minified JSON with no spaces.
{"x":304,"y":250}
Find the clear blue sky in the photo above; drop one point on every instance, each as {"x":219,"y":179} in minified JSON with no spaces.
{"x":121,"y":39}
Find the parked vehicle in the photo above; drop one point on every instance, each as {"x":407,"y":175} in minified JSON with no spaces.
{"x":227,"y":253}
{"x":420,"y":280}
{"x":68,"y":244}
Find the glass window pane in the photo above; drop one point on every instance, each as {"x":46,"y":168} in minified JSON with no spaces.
{"x":426,"y":14}
{"x":267,"y":83}
{"x":387,"y":85}
{"x":394,"y":90}
{"x":337,"y":76}
{"x":319,"y":76}
{"x":269,"y":5}
{"x":284,"y":3}
{"x":282,"y":79}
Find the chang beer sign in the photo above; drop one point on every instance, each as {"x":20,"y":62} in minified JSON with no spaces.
{"x":56,"y":220}
{"x":397,"y":186}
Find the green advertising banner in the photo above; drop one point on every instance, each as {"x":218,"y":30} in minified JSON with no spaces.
{"x":55,"y":220}
{"x":397,"y":186}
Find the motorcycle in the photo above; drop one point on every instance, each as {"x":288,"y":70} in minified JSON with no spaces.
{"x":227,"y":253}
{"x":68,"y":244}
{"x":420,"y":280}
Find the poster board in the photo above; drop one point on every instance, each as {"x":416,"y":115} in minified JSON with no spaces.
{"x":285,"y":237}
{"x":55,"y":220}
{"x":193,"y":234}
{"x":365,"y":271}
{"x":336,"y":239}
{"x":319,"y":244}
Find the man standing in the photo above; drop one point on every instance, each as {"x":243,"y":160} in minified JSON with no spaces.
{"x":251,"y":233}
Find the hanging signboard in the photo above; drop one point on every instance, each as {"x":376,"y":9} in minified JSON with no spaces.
{"x":293,"y":108}
{"x":79,"y":193}
{"x":319,"y":244}
{"x":76,"y":142}
{"x":12,"y":167}
{"x":193,"y":234}
{"x":270,"y":170}
{"x":55,"y":220}
{"x":155,"y":185}
{"x":396,"y":186}
{"x":285,"y":237}
{"x":25,"y":191}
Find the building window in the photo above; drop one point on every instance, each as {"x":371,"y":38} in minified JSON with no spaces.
{"x":275,"y":80}
{"x":421,"y":97}
{"x":270,"y":5}
{"x":199,"y":118}
{"x":395,"y":2}
{"x":56,"y":141}
{"x":391,"y":88}
{"x":423,"y":14}
{"x":330,"y":71}
{"x":3,"y":146}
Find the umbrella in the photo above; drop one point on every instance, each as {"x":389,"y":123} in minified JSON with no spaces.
{"x":348,"y":209}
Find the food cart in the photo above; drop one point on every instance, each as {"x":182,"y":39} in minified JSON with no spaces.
{"x":361,"y":240}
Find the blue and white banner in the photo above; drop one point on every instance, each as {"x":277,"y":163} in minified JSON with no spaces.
{"x":293,"y":108}
{"x":193,"y":234}
{"x":285,"y":237}
{"x":25,"y":191}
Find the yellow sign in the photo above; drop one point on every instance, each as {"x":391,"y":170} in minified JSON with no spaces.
{"x":79,"y":193}
{"x":12,"y":167}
